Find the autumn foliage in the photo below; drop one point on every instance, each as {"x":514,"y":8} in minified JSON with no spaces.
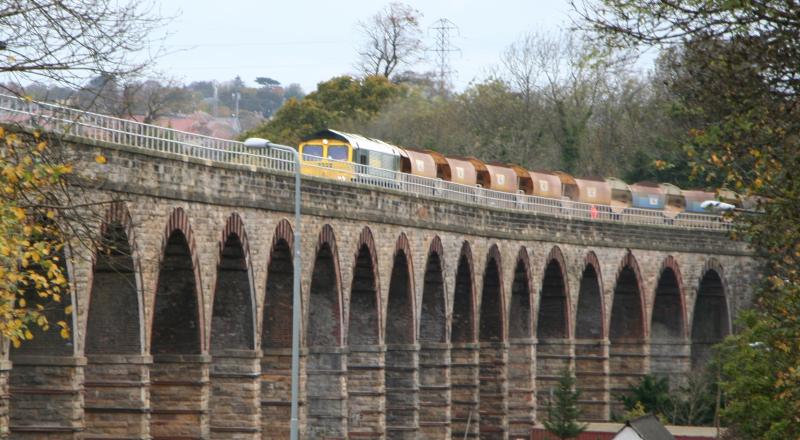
{"x":33,"y":282}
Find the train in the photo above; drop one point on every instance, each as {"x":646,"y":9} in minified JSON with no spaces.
{"x":345,"y":156}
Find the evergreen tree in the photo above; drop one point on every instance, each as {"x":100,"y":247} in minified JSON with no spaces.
{"x":562,"y":409}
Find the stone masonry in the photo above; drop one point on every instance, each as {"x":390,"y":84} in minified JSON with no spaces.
{"x":421,"y":319}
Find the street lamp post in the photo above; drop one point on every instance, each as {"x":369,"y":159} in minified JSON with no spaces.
{"x":296,"y":270}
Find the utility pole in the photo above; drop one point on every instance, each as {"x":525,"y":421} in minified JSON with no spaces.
{"x":444,"y":47}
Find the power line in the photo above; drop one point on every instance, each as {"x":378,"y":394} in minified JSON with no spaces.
{"x":444,"y":47}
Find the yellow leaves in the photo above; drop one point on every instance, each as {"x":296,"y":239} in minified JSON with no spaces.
{"x":32,"y":279}
{"x":68,"y":310}
{"x":100,"y":159}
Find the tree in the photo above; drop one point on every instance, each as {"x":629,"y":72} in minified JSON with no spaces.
{"x":393,"y":38}
{"x":562,"y":409}
{"x":32,"y":278}
{"x":739,"y":77}
{"x":336,"y":101}
{"x":62,"y":43}
{"x":66,"y":41}
{"x":267,"y":82}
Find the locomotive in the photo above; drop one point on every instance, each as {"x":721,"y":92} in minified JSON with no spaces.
{"x":345,"y":156}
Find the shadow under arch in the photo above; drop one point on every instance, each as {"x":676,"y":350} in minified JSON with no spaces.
{"x":711,"y":317}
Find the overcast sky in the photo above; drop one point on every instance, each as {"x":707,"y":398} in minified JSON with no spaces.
{"x":311,"y":41}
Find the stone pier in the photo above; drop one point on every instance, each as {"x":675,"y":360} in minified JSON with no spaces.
{"x":235,"y":395}
{"x":591,"y":378}
{"x":47,"y":397}
{"x":402,"y":391}
{"x":628,"y":364}
{"x":365,"y":391}
{"x":553,"y":355}
{"x":117,"y":396}
{"x":465,"y":383}
{"x":326,"y":393}
{"x":276,"y":392}
{"x":179,"y":391}
{"x":521,"y":387}
{"x":493,"y":402}
{"x":434,"y":390}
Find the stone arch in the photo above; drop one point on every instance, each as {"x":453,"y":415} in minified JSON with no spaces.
{"x":669,"y":354}
{"x":179,"y":288}
{"x":235,"y":365}
{"x":401,"y":307}
{"x":464,"y":354}
{"x":492,"y":392}
{"x":669,"y":306}
{"x":628,"y":300}
{"x":553,"y":315}
{"x":433,"y":311}
{"x":233,"y":317}
{"x":434,"y":355}
{"x":627,"y":330}
{"x":590,"y":316}
{"x":326,"y":361}
{"x":278,"y":300}
{"x":552,"y":327}
{"x":364,"y":321}
{"x":276,"y":332}
{"x":115,"y":317}
{"x":492,"y":314}
{"x":521,"y":312}
{"x":402,"y":410}
{"x":590,"y":350}
{"x":711,"y":315}
{"x":177,"y":335}
{"x":324,"y":326}
{"x":463,"y":318}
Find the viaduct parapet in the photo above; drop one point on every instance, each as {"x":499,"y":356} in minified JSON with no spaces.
{"x":422,"y":318}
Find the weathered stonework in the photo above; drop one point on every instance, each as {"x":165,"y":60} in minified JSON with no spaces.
{"x":419,"y":317}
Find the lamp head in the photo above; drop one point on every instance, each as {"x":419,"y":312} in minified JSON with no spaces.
{"x":256,"y":143}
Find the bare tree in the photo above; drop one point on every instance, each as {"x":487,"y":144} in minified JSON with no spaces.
{"x":70,"y":41}
{"x":392,"y":38}
{"x":569,"y":76}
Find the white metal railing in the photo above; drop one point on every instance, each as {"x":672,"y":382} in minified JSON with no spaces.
{"x":65,"y":120}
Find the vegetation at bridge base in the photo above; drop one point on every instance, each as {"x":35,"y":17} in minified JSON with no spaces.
{"x":33,"y":281}
{"x":692,"y":402}
{"x":562,"y":408}
{"x":737,"y":74}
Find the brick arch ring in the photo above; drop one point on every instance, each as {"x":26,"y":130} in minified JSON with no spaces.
{"x":591,"y":260}
{"x":556,"y":255}
{"x":327,"y":237}
{"x":179,"y":221}
{"x":671,"y":263}
{"x":629,"y":261}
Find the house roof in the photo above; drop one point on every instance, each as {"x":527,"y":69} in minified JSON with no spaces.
{"x":649,"y":428}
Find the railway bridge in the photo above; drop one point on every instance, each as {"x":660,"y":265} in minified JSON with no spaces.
{"x":422,"y":317}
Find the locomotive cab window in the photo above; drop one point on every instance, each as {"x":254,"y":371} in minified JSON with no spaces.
{"x":338,"y":152}
{"x":312,"y":152}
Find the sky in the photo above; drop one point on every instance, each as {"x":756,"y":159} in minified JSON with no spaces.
{"x":306,"y":42}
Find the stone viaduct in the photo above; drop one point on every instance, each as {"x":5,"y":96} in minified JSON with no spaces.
{"x":421,"y":318}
